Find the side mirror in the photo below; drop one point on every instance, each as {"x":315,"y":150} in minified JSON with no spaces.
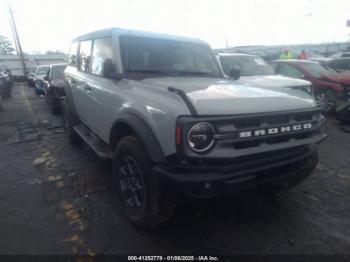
{"x":46,"y":78}
{"x":235,"y":72}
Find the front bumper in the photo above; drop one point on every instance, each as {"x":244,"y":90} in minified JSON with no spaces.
{"x":221,"y":178}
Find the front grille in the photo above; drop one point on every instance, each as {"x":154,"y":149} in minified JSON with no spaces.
{"x":254,"y":131}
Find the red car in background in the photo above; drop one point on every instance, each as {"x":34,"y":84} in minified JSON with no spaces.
{"x":332,"y":89}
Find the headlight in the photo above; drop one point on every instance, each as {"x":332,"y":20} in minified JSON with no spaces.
{"x":200,"y":138}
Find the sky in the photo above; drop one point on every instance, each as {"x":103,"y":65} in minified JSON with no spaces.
{"x":51,"y":24}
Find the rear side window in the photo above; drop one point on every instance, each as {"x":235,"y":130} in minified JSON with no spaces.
{"x":288,"y":70}
{"x":85,"y":55}
{"x":102,"y":57}
{"x":72,"y":60}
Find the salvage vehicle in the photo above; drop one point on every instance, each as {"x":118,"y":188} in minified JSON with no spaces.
{"x":31,"y":76}
{"x":6,"y":81}
{"x":332,"y":90}
{"x":340,"y":54}
{"x":253,"y":70}
{"x":39,"y":81}
{"x":54,"y":83}
{"x":160,"y":107}
{"x":338,"y":64}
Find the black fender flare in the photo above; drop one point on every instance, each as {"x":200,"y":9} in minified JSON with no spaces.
{"x":141,"y":129}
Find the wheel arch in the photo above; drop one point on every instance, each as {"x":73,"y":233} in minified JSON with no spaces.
{"x":128,"y":124}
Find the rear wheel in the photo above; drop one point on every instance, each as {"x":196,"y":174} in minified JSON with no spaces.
{"x":52,"y":101}
{"x":69,"y":120}
{"x":37,"y":88}
{"x":141,"y":197}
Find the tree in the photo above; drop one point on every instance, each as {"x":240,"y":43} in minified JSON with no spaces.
{"x":6,"y":46}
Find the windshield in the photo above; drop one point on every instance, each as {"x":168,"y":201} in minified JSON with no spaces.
{"x":42,"y":70}
{"x":57,"y":72}
{"x":317,"y":70}
{"x":168,"y":57}
{"x":249,"y":65}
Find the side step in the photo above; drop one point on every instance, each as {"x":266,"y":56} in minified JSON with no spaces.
{"x":100,"y":148}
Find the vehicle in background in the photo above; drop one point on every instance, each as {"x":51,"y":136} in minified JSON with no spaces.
{"x":332,"y":90}
{"x":6,"y":81}
{"x":340,"y":55}
{"x":338,"y":64}
{"x":31,"y":76}
{"x":160,"y":107}
{"x":54,"y":86}
{"x":39,"y":81}
{"x":254,"y":71}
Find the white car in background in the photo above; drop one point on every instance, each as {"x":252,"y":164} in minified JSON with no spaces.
{"x":255,"y":71}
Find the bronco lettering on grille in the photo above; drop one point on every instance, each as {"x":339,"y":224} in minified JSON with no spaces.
{"x":274,"y":130}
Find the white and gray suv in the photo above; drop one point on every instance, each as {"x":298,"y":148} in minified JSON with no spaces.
{"x":160,"y":107}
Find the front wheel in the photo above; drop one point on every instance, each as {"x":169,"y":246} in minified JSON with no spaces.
{"x":142,"y":199}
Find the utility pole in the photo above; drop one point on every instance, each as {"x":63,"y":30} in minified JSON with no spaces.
{"x":14,"y":37}
{"x":18,"y":43}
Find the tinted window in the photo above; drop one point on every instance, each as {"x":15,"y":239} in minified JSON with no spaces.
{"x":249,"y":65}
{"x":289,"y":70}
{"x":42,"y":70}
{"x":72,"y":60}
{"x":85,"y":55}
{"x":162,"y":56}
{"x":57,"y":72}
{"x":102,"y":61}
{"x":340,"y":65}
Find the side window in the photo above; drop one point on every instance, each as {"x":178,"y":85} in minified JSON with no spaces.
{"x":72,"y":60}
{"x":288,"y":70}
{"x":102,"y":57}
{"x":85,"y":55}
{"x":341,"y":65}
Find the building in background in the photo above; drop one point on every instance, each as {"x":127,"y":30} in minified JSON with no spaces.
{"x":14,"y":61}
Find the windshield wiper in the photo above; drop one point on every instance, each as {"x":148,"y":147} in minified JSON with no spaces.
{"x":195,"y":73}
{"x":148,"y":71}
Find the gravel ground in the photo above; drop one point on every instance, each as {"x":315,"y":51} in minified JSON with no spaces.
{"x":55,"y":198}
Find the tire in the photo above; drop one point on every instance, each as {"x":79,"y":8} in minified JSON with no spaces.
{"x":326,"y":100}
{"x":53,"y":102}
{"x":38,"y":91}
{"x":30,"y":83}
{"x":69,"y":120}
{"x":291,"y":181}
{"x":141,"y":197}
{"x":344,"y":115}
{"x":6,"y":93}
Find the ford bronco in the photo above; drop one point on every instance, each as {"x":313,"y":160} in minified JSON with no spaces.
{"x":160,"y":107}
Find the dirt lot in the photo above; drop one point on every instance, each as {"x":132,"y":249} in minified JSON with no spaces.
{"x":55,"y":198}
